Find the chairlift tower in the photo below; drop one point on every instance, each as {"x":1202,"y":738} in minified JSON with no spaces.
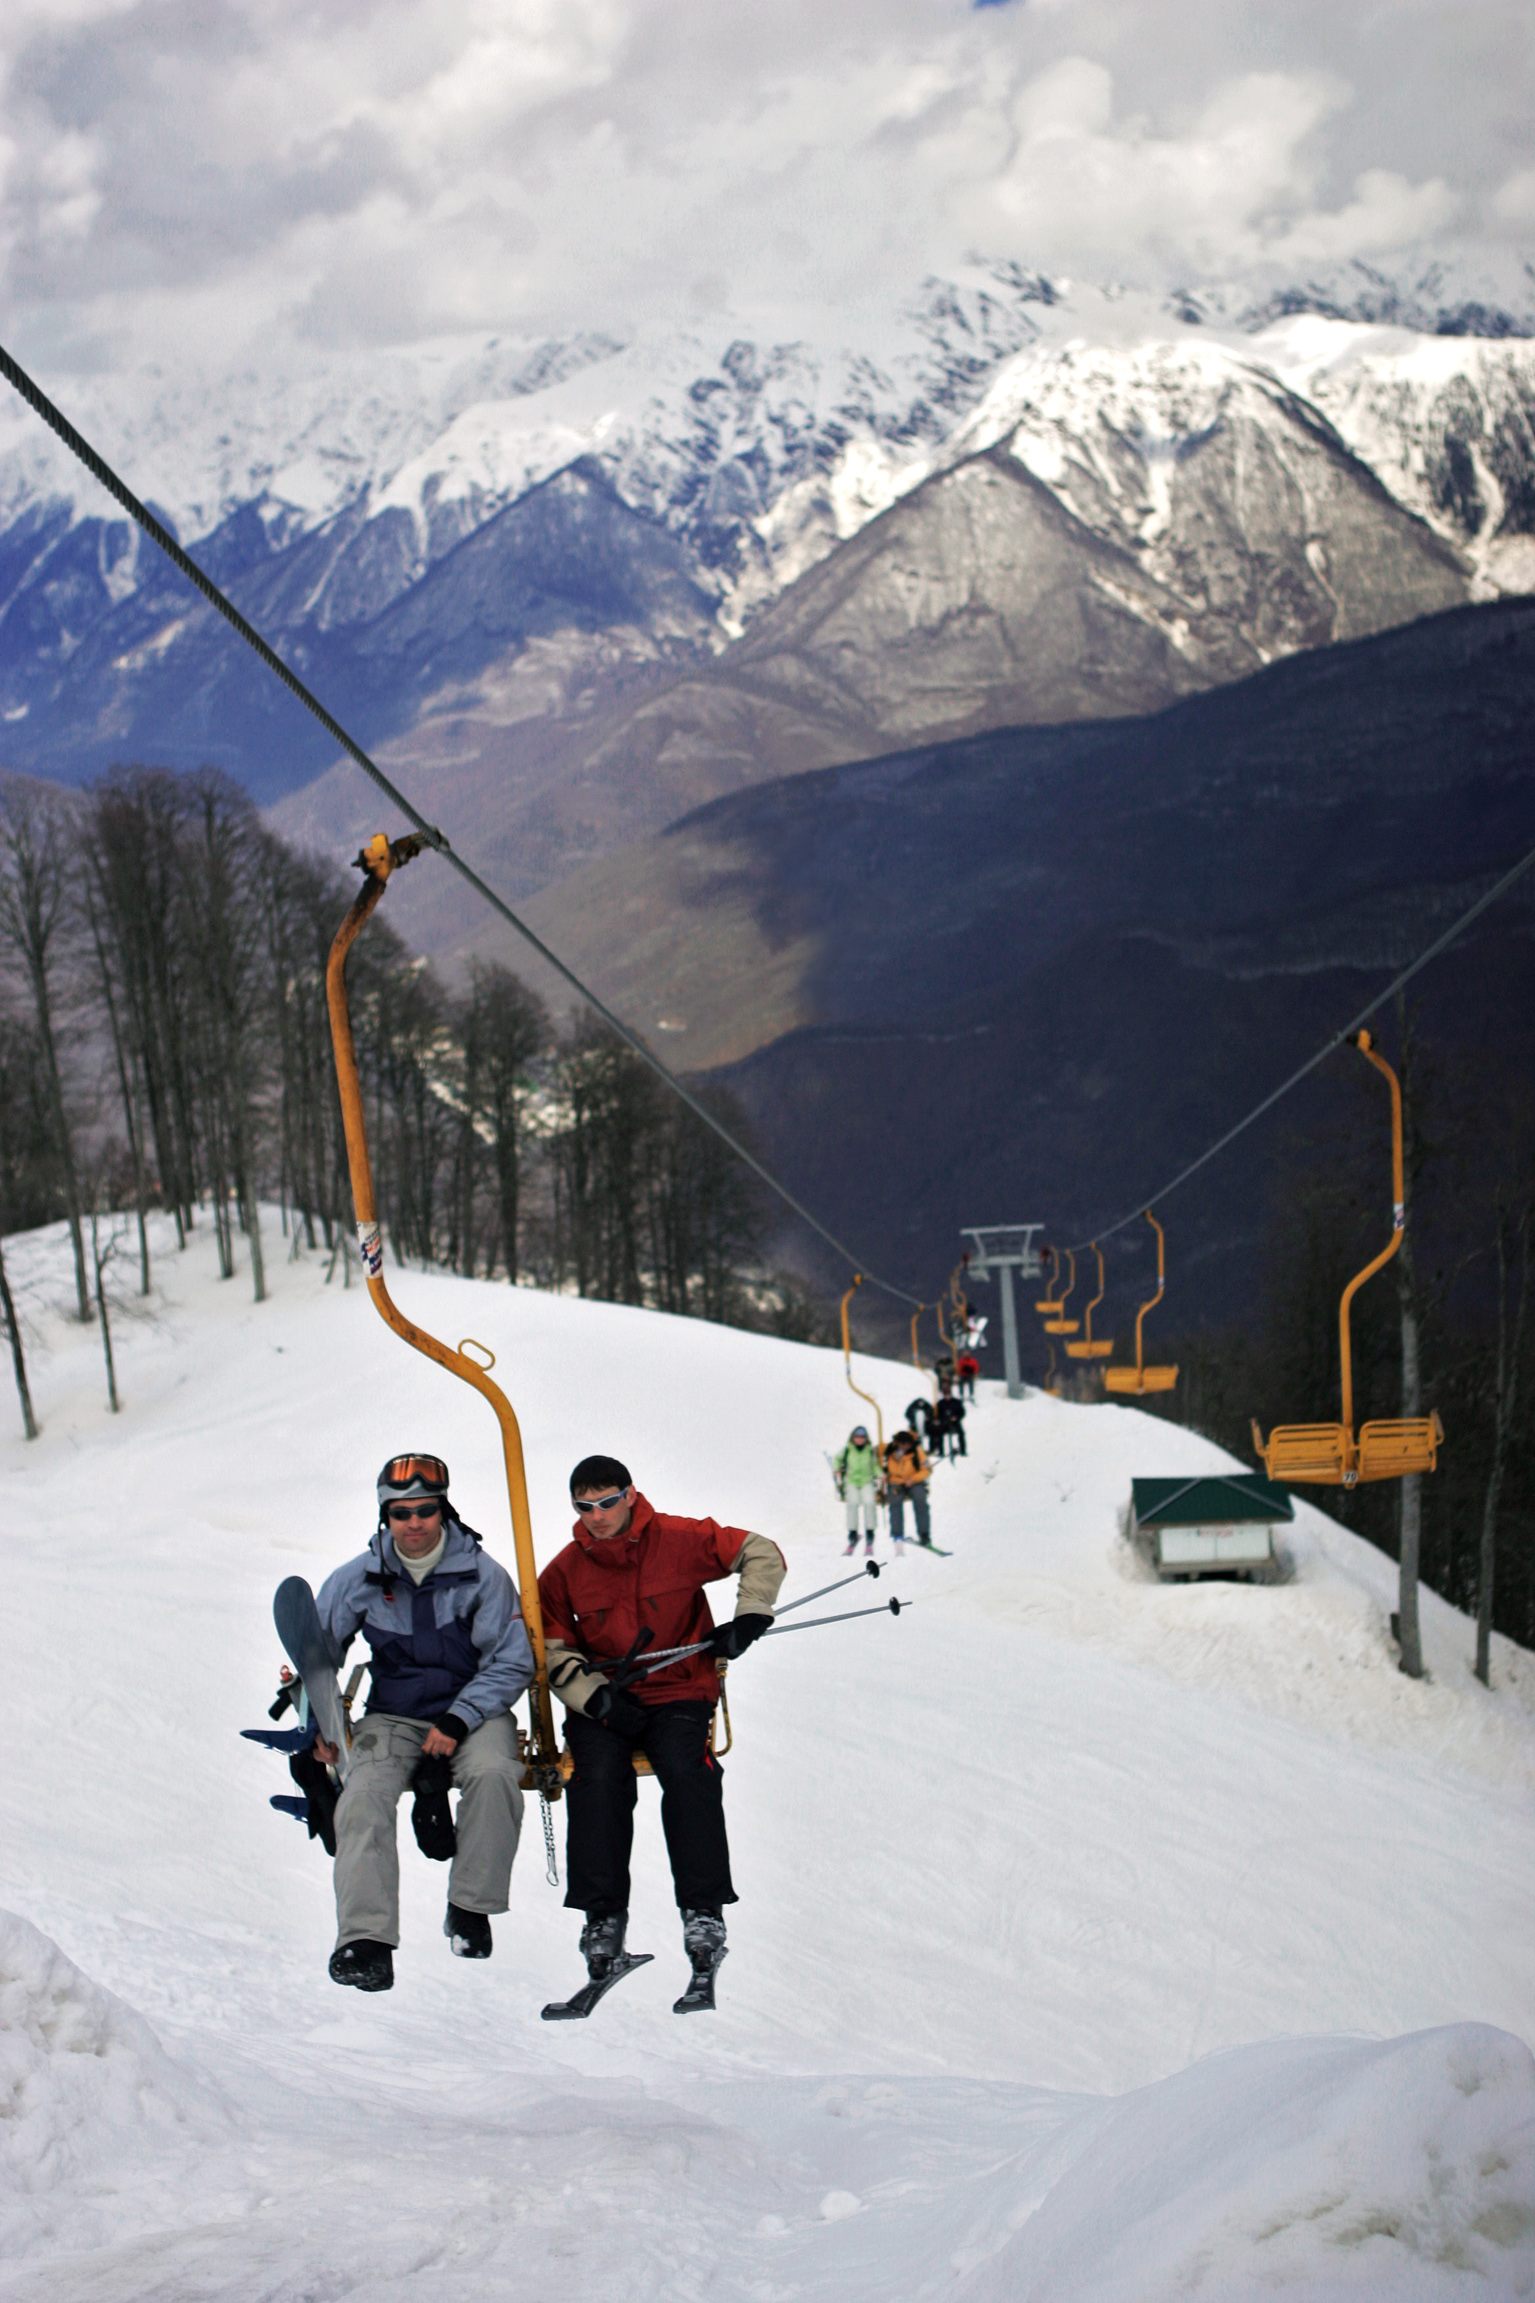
{"x":1010,"y":1246}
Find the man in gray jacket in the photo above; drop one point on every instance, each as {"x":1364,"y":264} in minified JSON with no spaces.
{"x":450,"y":1658}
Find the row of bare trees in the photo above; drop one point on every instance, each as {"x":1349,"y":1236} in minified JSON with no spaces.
{"x":164,"y":1043}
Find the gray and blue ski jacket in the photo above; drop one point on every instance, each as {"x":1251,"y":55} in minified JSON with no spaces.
{"x":452,"y":1647}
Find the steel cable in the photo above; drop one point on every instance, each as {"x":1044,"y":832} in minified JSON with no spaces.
{"x":1339,"y":1039}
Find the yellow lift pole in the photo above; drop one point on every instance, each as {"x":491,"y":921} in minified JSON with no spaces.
{"x":378,"y":859}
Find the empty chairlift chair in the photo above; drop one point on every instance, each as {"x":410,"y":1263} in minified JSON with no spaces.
{"x":1328,"y":1454}
{"x":1138,"y":1380}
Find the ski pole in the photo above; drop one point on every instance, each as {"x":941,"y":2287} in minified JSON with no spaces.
{"x":891,"y":1607}
{"x":869,"y":1567}
{"x":677,"y":1654}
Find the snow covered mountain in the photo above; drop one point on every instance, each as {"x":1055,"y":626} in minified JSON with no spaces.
{"x":1098,"y":1939}
{"x":582,"y":586}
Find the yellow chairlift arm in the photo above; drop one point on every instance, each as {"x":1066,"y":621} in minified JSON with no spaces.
{"x":847,"y":1355}
{"x":1372,"y":1054}
{"x":1061,"y":1325}
{"x":1088,"y":1348}
{"x":1152,"y":1301}
{"x":378,"y":860}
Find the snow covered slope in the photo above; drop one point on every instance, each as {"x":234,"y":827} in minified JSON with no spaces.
{"x":1096,"y":1940}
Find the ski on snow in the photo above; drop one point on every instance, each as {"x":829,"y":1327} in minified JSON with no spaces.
{"x":583,"y":2001}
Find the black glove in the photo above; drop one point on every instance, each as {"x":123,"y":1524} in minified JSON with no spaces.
{"x":431,"y":1818}
{"x":614,"y":1709}
{"x":734,"y":1638}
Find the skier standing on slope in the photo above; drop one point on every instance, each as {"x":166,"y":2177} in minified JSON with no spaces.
{"x":906,"y":1475}
{"x":857,"y":1473}
{"x":631,"y":1570}
{"x":947,"y":1424}
{"x":450,"y":1658}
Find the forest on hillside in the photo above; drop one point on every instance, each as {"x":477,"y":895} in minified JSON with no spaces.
{"x":164,"y":1042}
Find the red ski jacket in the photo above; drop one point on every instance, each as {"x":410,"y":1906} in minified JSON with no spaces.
{"x":597,"y":1596}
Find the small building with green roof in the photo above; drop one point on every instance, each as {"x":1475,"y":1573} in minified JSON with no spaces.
{"x":1213,"y":1525}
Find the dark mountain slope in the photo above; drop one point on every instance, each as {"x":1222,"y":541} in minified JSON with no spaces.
{"x":1029,"y":974}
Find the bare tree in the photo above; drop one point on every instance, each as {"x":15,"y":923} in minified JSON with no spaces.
{"x":112,"y":1006}
{"x":36,"y":859}
{"x":18,"y":1358}
{"x":101,"y":1257}
{"x":221,"y":870}
{"x":1510,"y":1349}
{"x":1410,"y":1509}
{"x":503,"y":1028}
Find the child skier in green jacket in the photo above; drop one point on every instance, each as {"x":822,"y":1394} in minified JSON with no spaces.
{"x":858,"y":1483}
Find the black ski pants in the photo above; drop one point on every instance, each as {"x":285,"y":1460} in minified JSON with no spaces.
{"x":599,"y":1832}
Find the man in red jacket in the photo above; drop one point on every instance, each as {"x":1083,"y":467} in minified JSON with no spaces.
{"x":630,"y":1571}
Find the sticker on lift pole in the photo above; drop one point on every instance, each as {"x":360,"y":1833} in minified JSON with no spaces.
{"x":371,"y":1248}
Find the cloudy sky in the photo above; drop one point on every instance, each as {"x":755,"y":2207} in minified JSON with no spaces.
{"x":191,"y":177}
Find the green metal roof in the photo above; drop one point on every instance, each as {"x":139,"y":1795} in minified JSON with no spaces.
{"x":1223,"y":1499}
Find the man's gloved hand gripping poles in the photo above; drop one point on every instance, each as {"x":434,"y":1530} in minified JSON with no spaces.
{"x":618,"y":1710}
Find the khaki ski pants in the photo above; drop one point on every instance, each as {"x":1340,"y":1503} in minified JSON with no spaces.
{"x":384,"y":1755}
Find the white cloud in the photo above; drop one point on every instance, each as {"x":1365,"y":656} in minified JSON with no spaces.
{"x":377,"y":169}
{"x":1513,"y":204}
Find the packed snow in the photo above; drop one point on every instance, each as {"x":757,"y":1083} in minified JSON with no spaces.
{"x":1098,"y":1939}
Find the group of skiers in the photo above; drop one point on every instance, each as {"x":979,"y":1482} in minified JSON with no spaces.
{"x":867,"y":1476}
{"x":450,"y":1658}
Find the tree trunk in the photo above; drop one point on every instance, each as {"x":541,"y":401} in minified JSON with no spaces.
{"x":1506,"y":1394}
{"x":18,"y":1361}
{"x":101,"y":1304}
{"x":1410,"y":1500}
{"x":130,"y":1121}
{"x":253,"y":1235}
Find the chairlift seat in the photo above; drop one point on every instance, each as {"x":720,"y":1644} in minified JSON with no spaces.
{"x":1139,"y":1379}
{"x":1394,"y":1449}
{"x":1062,"y":1326}
{"x":1321,"y":1454}
{"x":1097,"y":1349}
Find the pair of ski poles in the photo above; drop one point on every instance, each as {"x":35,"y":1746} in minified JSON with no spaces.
{"x":631,"y":1669}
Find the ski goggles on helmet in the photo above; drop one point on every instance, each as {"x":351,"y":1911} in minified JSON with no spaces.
{"x":408,"y":1477}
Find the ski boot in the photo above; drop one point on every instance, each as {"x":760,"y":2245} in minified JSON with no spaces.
{"x":468,"y":1933}
{"x":607,"y":1963}
{"x":703,"y":1937}
{"x":367,"y":1966}
{"x":852,"y":1547}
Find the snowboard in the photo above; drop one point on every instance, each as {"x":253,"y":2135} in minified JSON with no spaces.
{"x":298,"y":1627}
{"x":583,"y":2001}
